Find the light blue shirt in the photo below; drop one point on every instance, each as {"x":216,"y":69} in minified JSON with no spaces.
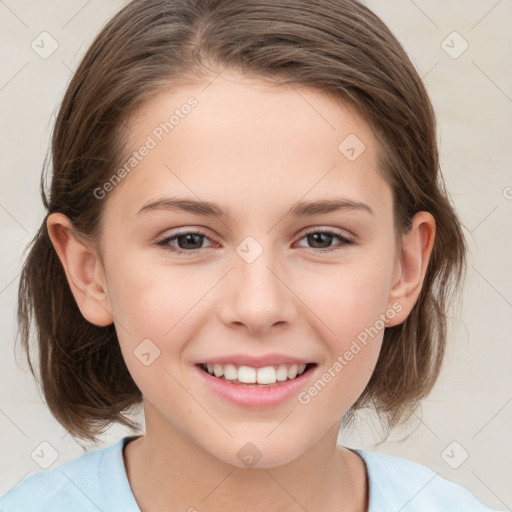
{"x":97,"y":481}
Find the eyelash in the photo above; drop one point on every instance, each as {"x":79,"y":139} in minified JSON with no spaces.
{"x":165,"y":243}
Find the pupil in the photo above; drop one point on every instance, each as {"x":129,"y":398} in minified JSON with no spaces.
{"x":188,"y":237}
{"x":315,"y":236}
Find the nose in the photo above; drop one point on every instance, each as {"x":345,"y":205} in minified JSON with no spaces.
{"x":256,"y":295}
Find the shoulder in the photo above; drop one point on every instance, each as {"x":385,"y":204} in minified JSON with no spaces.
{"x":76,"y":485}
{"x":401,"y":484}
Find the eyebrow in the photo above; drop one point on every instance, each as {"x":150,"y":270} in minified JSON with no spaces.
{"x":299,"y":209}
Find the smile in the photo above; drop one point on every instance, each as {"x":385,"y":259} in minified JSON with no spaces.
{"x":255,"y":387}
{"x":266,"y":375}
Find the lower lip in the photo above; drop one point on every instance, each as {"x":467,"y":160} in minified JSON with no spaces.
{"x":253,"y":396}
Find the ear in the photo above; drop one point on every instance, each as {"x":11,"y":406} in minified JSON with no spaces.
{"x":411,"y":265}
{"x":84,"y":270}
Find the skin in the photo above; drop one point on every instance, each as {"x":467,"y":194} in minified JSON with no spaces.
{"x":256,"y":150}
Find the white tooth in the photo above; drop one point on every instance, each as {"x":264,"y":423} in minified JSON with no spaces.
{"x":210,"y":368}
{"x":292,"y":371}
{"x":300,"y":369}
{"x":266,"y":375}
{"x":282,"y":373}
{"x":217,"y":369}
{"x":247,"y":374}
{"x":230,"y":372}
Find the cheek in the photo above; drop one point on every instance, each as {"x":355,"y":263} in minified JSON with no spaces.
{"x":160,"y":303}
{"x":348,"y":307}
{"x":150,"y":298}
{"x":348,"y":298}
{"x":153,"y":311}
{"x":352,"y":332}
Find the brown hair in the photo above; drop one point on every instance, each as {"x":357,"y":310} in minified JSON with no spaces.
{"x":338,"y":47}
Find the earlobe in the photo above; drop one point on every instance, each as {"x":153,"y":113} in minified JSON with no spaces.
{"x":412,"y":264}
{"x":84,"y":270}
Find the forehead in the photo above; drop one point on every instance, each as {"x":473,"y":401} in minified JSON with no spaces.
{"x":234,"y":139}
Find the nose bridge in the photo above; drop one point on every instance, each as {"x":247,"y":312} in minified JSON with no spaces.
{"x":257,"y":295}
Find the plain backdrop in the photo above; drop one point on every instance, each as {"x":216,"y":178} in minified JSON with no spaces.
{"x":463,"y":50}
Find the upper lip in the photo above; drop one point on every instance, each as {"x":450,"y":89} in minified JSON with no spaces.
{"x":256,"y":361}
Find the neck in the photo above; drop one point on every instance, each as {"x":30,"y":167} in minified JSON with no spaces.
{"x":167,"y":471}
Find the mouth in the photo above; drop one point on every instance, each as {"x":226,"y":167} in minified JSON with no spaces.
{"x":262,"y":377}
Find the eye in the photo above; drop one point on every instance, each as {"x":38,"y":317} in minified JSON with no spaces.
{"x":187,"y":241}
{"x":190,"y":242}
{"x":319,"y":237}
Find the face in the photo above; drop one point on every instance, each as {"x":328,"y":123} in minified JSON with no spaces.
{"x":269,"y":284}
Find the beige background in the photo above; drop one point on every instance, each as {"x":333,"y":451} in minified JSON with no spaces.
{"x":470,"y":410}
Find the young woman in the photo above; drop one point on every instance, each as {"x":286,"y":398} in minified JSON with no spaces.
{"x":248,"y":234}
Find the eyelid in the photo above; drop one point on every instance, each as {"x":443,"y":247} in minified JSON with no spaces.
{"x":335,"y":231}
{"x":345,"y":240}
{"x":164,"y":241}
{"x":306,"y":231}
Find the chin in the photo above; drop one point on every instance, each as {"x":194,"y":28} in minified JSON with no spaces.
{"x":260,"y":453}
